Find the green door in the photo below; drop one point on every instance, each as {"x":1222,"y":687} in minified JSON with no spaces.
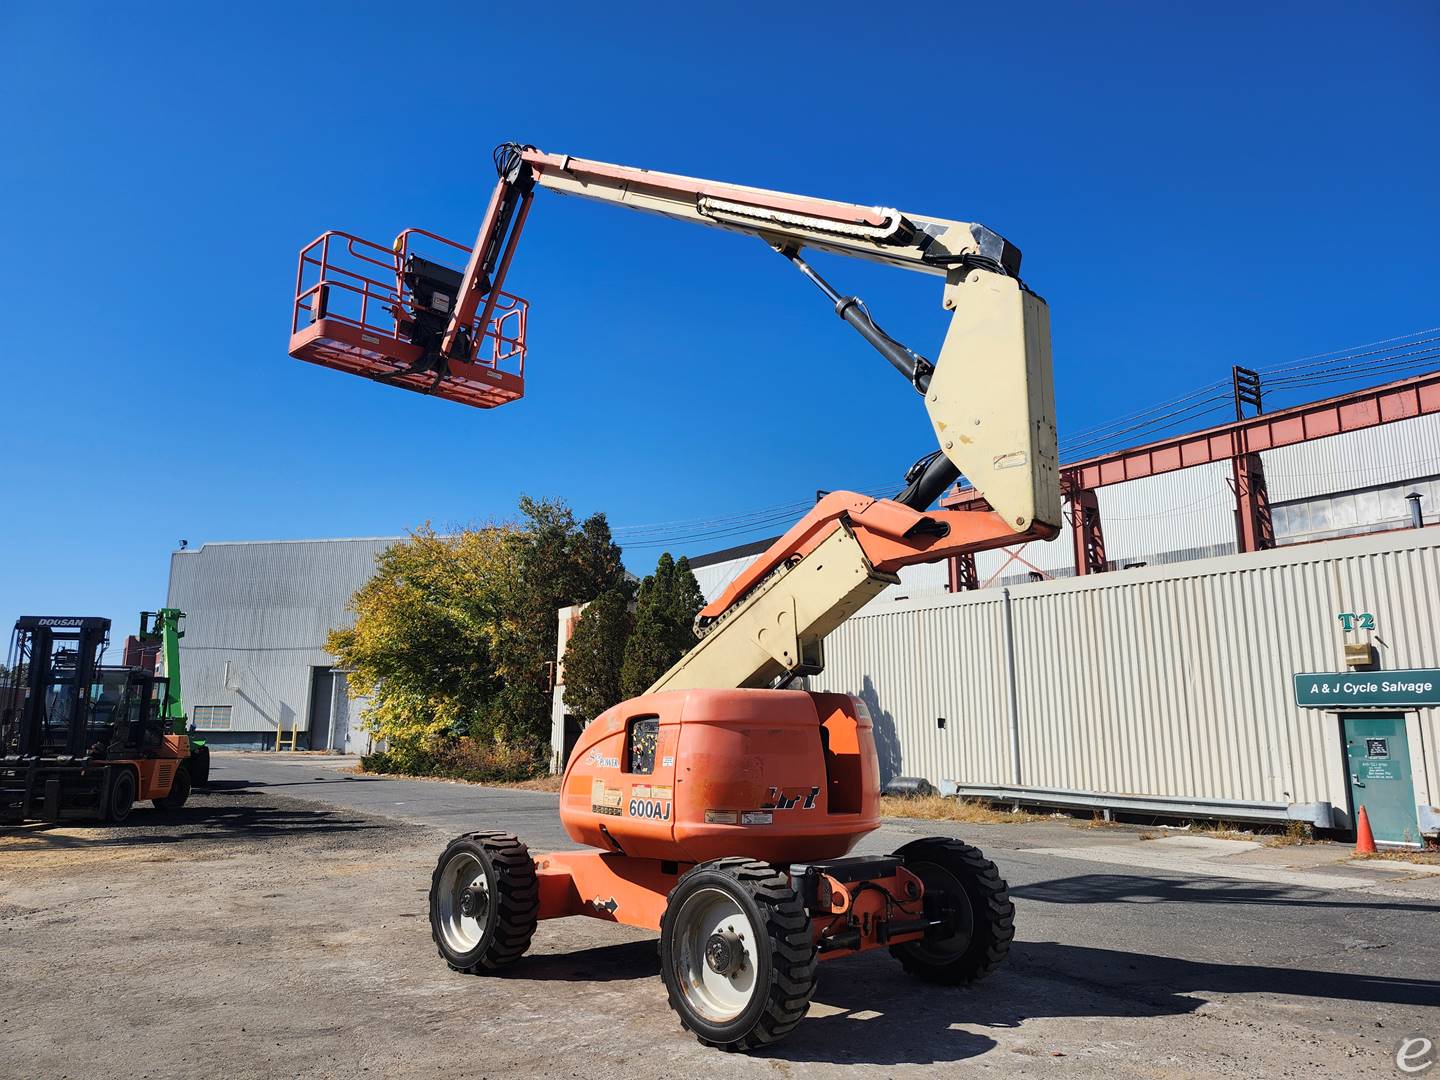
{"x":1378,"y":756}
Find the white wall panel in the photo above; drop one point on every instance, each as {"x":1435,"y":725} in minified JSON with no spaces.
{"x":265,"y":609}
{"x":1390,"y":453}
{"x":1167,"y":680}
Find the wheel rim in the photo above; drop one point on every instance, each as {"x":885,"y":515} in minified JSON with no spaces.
{"x":714,"y":958}
{"x":933,"y":948}
{"x":463,"y":902}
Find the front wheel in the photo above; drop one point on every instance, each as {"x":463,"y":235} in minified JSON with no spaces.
{"x":121,"y":798}
{"x":969,"y":895}
{"x":484,"y":901}
{"x":736,"y":953}
{"x":179,"y":790}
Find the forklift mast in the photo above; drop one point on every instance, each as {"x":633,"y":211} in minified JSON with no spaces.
{"x":164,"y":626}
{"x":54,"y":661}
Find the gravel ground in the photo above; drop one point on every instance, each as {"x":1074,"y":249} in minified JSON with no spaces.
{"x":255,"y":935}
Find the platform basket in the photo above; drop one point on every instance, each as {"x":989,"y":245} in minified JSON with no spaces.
{"x":359,"y":309}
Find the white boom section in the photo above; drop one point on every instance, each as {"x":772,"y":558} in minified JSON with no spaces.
{"x":929,"y":245}
{"x":780,"y":627}
{"x":991,"y":401}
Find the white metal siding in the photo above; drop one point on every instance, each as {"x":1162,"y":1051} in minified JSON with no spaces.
{"x":1049,"y":556}
{"x":1388,"y":454}
{"x":913,"y":668}
{"x":1375,"y":509}
{"x":1179,"y":511}
{"x":714,"y":579}
{"x":1172,"y":681}
{"x":265,"y":608}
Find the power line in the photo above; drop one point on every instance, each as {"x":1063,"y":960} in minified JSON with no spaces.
{"x":1402,"y":354}
{"x":1305,"y":360}
{"x":1211,"y":388}
{"x":1395,"y":356}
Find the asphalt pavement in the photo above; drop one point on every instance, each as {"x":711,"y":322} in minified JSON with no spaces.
{"x":1296,"y":939}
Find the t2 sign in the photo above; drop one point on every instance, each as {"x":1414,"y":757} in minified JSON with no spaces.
{"x":1356,"y":620}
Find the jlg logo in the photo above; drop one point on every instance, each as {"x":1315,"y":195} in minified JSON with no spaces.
{"x":786,"y":798}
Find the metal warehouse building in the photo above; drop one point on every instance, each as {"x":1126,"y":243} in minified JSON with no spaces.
{"x":1146,"y":662}
{"x":253,"y":654}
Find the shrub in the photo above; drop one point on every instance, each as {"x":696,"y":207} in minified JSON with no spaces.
{"x":465,"y":759}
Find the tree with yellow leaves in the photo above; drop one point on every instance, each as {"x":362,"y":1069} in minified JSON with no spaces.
{"x":453,"y":634}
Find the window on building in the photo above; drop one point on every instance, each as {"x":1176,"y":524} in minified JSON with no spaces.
{"x":211,"y":717}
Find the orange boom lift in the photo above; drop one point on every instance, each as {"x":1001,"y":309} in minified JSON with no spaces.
{"x":721,"y":806}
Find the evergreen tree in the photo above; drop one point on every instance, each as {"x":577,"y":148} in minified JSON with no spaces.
{"x":595,"y":653}
{"x":684,"y":604}
{"x":561,"y":562}
{"x":665,"y":613}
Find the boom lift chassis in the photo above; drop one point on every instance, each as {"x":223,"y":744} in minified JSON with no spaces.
{"x":719,"y":807}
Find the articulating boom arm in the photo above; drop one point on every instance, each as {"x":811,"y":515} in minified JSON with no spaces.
{"x":771,"y":622}
{"x":989,"y":395}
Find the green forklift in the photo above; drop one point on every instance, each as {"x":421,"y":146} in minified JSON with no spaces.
{"x":160,"y":635}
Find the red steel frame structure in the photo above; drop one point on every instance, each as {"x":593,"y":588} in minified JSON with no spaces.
{"x":1240,"y":443}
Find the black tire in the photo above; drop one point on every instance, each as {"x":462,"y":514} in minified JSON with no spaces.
{"x":981,"y":916}
{"x":500,"y":921}
{"x":200,"y":767}
{"x":179,"y":791}
{"x":121,"y":798}
{"x":783,"y":954}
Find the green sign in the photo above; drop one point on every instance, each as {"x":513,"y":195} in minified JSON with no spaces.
{"x":1368,"y":689}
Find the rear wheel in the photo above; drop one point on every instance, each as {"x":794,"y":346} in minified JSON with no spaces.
{"x":200,"y":766}
{"x":484,"y":901}
{"x":736,"y":953}
{"x":121,"y":799}
{"x":179,"y":790}
{"x":964,"y":888}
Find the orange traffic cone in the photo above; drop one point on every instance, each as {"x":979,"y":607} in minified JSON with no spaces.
{"x":1364,"y":838}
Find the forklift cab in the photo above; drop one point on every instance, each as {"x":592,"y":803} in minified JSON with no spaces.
{"x":126,"y":713}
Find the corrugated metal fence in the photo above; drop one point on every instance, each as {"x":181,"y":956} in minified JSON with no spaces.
{"x":1170,"y":681}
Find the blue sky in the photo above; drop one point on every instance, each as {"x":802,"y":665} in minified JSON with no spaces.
{"x":1192,"y":185}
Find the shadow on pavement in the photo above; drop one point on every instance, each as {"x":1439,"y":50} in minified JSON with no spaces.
{"x":867,"y":1011}
{"x":231,"y":813}
{"x":1157,"y":983}
{"x":233,"y":785}
{"x":886,"y":1018}
{"x":1136,"y":888}
{"x":603,"y":963}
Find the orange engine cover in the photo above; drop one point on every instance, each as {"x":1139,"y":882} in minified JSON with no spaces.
{"x":692,"y":775}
